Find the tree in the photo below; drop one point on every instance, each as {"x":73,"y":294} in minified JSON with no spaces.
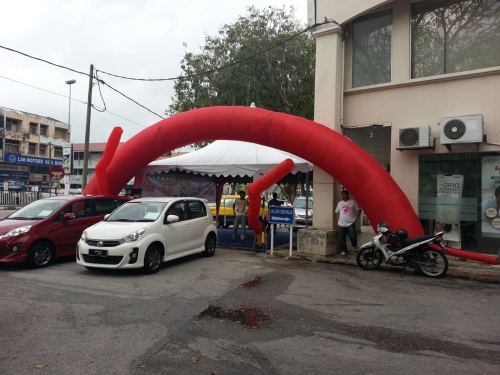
{"x":280,"y":80}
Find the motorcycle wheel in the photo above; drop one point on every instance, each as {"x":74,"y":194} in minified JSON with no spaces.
{"x":437,"y":263}
{"x":369,"y":258}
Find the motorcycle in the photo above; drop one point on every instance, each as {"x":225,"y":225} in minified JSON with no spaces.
{"x":424,"y":253}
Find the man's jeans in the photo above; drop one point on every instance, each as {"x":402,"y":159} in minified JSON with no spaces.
{"x":343,"y":232}
{"x":242,"y":219}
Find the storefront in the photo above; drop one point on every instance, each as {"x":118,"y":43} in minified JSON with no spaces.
{"x":457,"y":194}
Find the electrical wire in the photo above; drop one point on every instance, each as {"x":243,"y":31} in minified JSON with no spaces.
{"x":230,"y":64}
{"x":99,"y":81}
{"x":73,"y":99}
{"x":119,"y":92}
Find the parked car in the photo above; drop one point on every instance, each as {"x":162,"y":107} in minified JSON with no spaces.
{"x":226,"y":215}
{"x":50,"y":228}
{"x":303,"y":216}
{"x":147,"y":231}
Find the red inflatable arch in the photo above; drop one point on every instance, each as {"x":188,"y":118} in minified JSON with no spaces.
{"x":374,"y":189}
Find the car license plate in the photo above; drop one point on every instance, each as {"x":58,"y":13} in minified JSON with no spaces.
{"x":98,"y":252}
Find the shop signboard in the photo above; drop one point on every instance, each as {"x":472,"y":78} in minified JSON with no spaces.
{"x":449,"y":189}
{"x":31,"y":160}
{"x":490,"y":196}
{"x":67,"y":163}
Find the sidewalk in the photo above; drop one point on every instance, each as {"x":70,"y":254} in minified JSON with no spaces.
{"x":464,"y":269}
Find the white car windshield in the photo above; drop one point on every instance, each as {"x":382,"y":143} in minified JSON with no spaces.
{"x":301,"y":203}
{"x":38,"y":210}
{"x":138,"y":211}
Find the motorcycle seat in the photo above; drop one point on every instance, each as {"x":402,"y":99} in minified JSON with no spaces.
{"x":411,"y":241}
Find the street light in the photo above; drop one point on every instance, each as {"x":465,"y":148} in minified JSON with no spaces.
{"x":70,"y":82}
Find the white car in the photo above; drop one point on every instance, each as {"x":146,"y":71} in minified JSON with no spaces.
{"x":144,"y":232}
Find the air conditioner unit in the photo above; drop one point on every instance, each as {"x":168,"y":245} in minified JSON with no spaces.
{"x":461,"y":129}
{"x":416,"y":137}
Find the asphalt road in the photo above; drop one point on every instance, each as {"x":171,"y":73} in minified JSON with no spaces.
{"x":244,"y":313}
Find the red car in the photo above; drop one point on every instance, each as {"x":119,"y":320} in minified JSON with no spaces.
{"x":50,"y":228}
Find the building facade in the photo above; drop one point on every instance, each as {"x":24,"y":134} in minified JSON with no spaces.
{"x":415,"y":83}
{"x":33,"y":141}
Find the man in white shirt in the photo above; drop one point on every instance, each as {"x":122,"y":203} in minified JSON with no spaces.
{"x":240,"y":215}
{"x":347,"y":212}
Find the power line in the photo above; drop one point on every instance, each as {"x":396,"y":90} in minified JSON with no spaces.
{"x":73,"y":99}
{"x":230,"y":64}
{"x":174,"y":78}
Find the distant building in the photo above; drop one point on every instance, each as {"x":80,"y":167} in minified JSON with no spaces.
{"x":95,"y":153}
{"x":29,"y":140}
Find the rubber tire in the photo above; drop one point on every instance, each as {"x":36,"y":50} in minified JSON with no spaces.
{"x":152,"y":259}
{"x":439,"y":256}
{"x":40,"y":255}
{"x":375,"y":259}
{"x":210,"y":245}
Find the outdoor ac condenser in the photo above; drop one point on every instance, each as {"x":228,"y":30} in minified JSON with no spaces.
{"x":415,"y":138}
{"x":461,"y":129}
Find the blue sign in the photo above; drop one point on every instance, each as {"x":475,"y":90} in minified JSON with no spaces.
{"x":14,"y":175}
{"x":31,"y":160}
{"x":281,"y":215}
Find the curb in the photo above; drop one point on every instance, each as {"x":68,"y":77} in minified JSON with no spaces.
{"x":474,"y":271}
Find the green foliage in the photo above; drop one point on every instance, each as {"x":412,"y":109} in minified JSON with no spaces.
{"x":280,"y":80}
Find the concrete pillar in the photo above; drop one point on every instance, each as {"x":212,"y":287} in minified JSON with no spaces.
{"x":327,"y":111}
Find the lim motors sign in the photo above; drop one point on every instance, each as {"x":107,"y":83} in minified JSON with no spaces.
{"x":31,"y":160}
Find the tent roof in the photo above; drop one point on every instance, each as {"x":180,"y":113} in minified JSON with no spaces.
{"x":229,"y":159}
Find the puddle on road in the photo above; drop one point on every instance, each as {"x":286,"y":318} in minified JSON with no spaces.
{"x":252,"y":284}
{"x":250,"y":317}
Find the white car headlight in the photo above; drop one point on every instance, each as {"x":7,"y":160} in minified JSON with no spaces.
{"x":84,"y":236}
{"x":17,"y":231}
{"x":135,"y":236}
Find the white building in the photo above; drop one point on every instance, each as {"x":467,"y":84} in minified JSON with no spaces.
{"x":415,"y":83}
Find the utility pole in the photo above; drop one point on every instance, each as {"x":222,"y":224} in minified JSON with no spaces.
{"x":87,"y":131}
{"x":50,"y":166}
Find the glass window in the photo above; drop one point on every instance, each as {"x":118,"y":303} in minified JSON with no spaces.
{"x":43,"y":130}
{"x":105,"y":206}
{"x":371,"y":37}
{"x":179,"y":209}
{"x":454,"y":193}
{"x":197,"y":209}
{"x":38,"y":210}
{"x":81,"y":208}
{"x":454,"y":36}
{"x":32,"y":148}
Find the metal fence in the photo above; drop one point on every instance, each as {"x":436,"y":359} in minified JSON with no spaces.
{"x":20,"y":198}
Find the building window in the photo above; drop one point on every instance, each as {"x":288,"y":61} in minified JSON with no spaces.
{"x":11,"y":124}
{"x":32,"y":148}
{"x":58,"y":152}
{"x":371,"y":39}
{"x":43,"y":130}
{"x":454,"y":36}
{"x":42,"y":150}
{"x":11,"y":146}
{"x":33,"y":128}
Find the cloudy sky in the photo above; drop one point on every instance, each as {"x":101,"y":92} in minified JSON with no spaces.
{"x":131,"y":38}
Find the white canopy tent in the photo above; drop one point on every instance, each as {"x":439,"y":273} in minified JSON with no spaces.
{"x":229,"y":159}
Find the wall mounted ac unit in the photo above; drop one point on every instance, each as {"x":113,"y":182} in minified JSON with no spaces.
{"x":461,"y":129}
{"x":416,"y":137}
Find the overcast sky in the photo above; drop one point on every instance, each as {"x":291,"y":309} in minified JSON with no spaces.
{"x":131,"y":38}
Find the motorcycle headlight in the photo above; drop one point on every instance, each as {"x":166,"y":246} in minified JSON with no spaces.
{"x":17,"y":231}
{"x":135,"y":235}
{"x":84,"y":236}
